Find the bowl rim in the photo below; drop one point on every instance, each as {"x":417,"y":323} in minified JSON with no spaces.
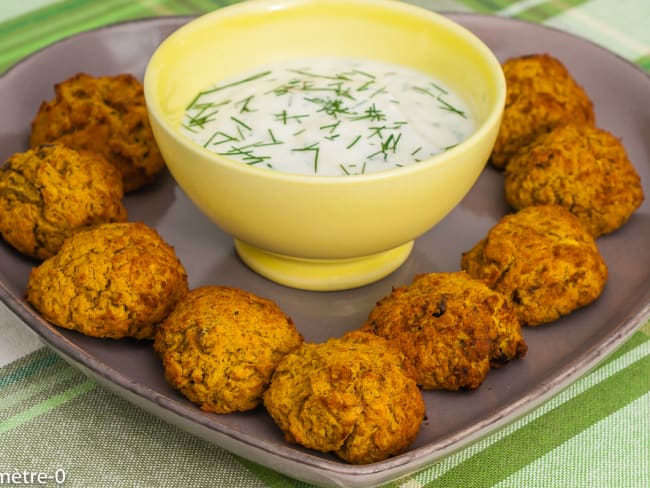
{"x":492,"y":119}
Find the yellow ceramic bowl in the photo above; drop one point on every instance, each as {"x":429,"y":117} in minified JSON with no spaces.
{"x":319,"y":232}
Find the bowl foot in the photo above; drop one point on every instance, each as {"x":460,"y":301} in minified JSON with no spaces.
{"x":323,"y":274}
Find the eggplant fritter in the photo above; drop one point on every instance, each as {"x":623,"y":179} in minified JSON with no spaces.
{"x":541,"y":94}
{"x":352,"y":396}
{"x":220,"y":346}
{"x":107,"y":115}
{"x":543,"y":260}
{"x":115,"y":280}
{"x":582,"y":168}
{"x":51,"y":192}
{"x":451,"y":327}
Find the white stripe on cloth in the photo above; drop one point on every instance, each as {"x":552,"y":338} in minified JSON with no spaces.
{"x":602,"y":456}
{"x":17,"y":339}
{"x":624,"y":32}
{"x":518,"y":7}
{"x":592,"y":379}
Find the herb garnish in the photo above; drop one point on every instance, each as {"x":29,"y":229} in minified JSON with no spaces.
{"x":348,"y":120}
{"x":312,"y":147}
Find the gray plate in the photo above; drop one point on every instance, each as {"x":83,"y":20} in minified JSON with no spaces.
{"x":558,"y":355}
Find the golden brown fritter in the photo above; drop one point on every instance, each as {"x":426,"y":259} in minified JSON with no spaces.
{"x":540,"y":94}
{"x":51,"y":192}
{"x":543,"y":259}
{"x":451,"y":327}
{"x":220,"y":346}
{"x":116,"y":280}
{"x":582,"y":168}
{"x":107,"y":115}
{"x":351,"y":396}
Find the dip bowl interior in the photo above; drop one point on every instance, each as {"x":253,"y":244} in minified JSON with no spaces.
{"x":322,"y":232}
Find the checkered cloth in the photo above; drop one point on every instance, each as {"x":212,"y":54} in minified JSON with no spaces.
{"x":58,"y":424}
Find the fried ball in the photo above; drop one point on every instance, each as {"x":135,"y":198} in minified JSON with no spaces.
{"x":51,"y":192}
{"x":543,"y":259}
{"x":351,"y":396}
{"x":220,"y":346}
{"x":582,"y":168}
{"x":115,"y":280}
{"x":451,"y":327}
{"x":540,"y":94}
{"x":107,"y":115}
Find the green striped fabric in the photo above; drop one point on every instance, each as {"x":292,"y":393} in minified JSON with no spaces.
{"x":26,"y":31}
{"x":52,"y":417}
{"x":57,"y":422}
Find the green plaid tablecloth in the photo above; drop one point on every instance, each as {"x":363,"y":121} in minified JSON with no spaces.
{"x":56,"y":421}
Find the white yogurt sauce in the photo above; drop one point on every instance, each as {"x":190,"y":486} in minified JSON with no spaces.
{"x":329,"y":117}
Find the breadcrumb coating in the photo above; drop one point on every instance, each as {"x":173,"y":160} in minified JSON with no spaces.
{"x":220,"y":346}
{"x":116,"y":280}
{"x":351,"y":396}
{"x":51,"y":192}
{"x":451,"y":327}
{"x":104,"y":114}
{"x":541,"y":94}
{"x":543,"y":260}
{"x":583,"y":168}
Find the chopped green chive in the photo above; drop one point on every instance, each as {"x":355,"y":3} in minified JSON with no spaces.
{"x":356,"y":139}
{"x":313,"y":147}
{"x":345,"y":111}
